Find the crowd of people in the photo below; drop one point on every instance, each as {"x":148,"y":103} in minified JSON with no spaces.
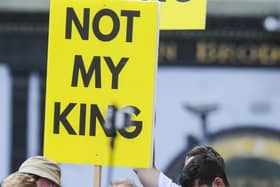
{"x":203,"y":167}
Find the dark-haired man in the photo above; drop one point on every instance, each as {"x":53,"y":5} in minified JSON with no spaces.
{"x":204,"y":167}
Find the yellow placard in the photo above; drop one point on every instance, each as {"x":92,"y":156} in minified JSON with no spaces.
{"x":182,"y":14}
{"x":100,"y":53}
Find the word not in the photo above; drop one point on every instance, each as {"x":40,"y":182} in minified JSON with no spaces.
{"x":60,"y":118}
{"x":83,"y":29}
{"x":95,"y":66}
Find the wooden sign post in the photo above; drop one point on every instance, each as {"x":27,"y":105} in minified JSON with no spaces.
{"x":97,"y":176}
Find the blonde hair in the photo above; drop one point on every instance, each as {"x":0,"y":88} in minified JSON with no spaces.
{"x":19,"y":180}
{"x":123,"y":181}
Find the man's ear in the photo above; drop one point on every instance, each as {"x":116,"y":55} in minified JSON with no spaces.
{"x":218,"y":182}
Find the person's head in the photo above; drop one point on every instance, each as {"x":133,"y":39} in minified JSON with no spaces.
{"x":19,"y":180}
{"x":122,"y":183}
{"x":46,"y":172}
{"x":204,"y":167}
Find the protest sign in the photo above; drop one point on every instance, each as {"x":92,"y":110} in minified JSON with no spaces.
{"x":100,"y":53}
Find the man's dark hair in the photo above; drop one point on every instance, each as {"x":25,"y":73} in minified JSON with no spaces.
{"x":205,"y":166}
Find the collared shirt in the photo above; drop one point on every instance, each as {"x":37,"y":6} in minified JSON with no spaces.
{"x":164,"y":181}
